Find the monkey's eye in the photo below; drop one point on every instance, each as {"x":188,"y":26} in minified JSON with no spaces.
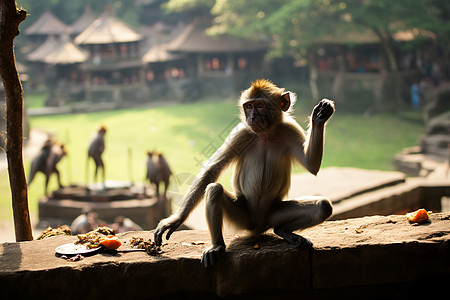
{"x":248,"y":106}
{"x":259,"y":105}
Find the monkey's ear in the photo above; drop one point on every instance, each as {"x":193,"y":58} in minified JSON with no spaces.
{"x":285,"y":101}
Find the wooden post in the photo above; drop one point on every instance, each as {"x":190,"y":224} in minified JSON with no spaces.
{"x":10,"y":18}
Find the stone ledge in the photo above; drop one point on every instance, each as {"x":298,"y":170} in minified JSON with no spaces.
{"x":370,"y":256}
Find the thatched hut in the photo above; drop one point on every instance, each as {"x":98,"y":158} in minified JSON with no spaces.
{"x":114,"y":70}
{"x":223,"y":60}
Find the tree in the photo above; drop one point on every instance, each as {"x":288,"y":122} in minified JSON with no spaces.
{"x":298,"y":26}
{"x":10,"y":18}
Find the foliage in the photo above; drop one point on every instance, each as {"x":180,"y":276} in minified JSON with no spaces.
{"x":295,"y":25}
{"x":184,"y":5}
{"x":69,"y":11}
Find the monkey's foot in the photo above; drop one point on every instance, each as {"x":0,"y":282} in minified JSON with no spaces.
{"x":294,"y":239}
{"x":211,"y":255}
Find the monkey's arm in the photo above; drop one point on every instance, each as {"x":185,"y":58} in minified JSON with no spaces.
{"x":311,"y":157}
{"x":210,"y":173}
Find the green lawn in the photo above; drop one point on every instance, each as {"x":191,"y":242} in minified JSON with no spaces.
{"x":189,"y":133}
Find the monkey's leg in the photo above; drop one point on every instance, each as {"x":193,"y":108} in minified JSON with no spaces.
{"x":59,"y":178}
{"x":157,"y":189}
{"x":218,"y":202}
{"x":47,"y":179}
{"x":299,"y":214}
{"x":32,"y":174}
{"x":95,"y":172}
{"x":166,"y":187}
{"x":144,"y":186}
{"x":103,"y":172}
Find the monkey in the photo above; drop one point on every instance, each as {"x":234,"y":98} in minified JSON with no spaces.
{"x":96,"y":148}
{"x":262,"y":148}
{"x":152,"y":172}
{"x":46,"y":162}
{"x":165,"y":172}
{"x":158,"y":170}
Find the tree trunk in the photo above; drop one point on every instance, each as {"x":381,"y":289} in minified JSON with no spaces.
{"x":10,"y":19}
{"x":391,"y":64}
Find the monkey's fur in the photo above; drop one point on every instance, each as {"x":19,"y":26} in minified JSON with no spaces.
{"x":95,"y":151}
{"x":262,"y":148}
{"x":158,"y":171}
{"x":46,"y":162}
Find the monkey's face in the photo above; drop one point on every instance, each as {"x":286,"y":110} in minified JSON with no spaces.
{"x":259,"y":115}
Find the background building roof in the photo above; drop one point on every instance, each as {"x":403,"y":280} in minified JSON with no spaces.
{"x":194,"y":39}
{"x":66,"y":53}
{"x":47,"y":24}
{"x":159,"y":53}
{"x":107,"y":29}
{"x":45,"y":48}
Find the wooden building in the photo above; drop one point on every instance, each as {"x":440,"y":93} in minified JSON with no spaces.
{"x":112,"y":62}
{"x":59,"y":59}
{"x":223,"y":61}
{"x":114,"y":69}
{"x":46,"y":25}
{"x":352,"y":65}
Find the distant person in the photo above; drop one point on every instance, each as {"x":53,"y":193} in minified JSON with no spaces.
{"x":435,"y":74}
{"x":84,"y":223}
{"x":415,"y":95}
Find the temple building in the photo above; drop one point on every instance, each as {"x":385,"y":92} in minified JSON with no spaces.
{"x":352,"y":66}
{"x":47,"y":24}
{"x":105,"y":60}
{"x":222,"y":61}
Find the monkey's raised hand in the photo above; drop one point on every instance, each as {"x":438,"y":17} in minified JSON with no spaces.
{"x":322,"y":112}
{"x":171,"y":224}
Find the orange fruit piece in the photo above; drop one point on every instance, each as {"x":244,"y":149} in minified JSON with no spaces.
{"x":111,"y":242}
{"x":418,"y":216}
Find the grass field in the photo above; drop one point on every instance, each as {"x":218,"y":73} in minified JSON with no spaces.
{"x":189,"y":133}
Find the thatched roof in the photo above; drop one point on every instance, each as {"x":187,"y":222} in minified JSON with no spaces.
{"x":40,"y":52}
{"x":107,"y":29}
{"x":194,"y":39}
{"x":159,"y":53}
{"x":83,"y":21}
{"x":61,"y":52}
{"x":47,"y":24}
{"x":366,"y":36}
{"x":66,"y":53}
{"x":340,"y":36}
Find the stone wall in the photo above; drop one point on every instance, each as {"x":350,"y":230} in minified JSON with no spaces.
{"x":365,"y":258}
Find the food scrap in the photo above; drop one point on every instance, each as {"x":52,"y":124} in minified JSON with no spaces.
{"x":49,"y":232}
{"x":256,"y":246}
{"x":94,"y":239}
{"x":77,"y":257}
{"x":111,"y":242}
{"x":418,"y":216}
{"x":149,"y":246}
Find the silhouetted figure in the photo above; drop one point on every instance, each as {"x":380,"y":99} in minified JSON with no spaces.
{"x":96,"y":148}
{"x":46,"y":162}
